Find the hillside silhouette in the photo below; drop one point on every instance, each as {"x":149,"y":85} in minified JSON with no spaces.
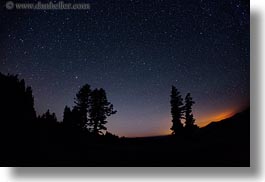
{"x":82,"y":139}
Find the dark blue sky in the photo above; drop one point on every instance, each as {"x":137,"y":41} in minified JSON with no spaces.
{"x":135,"y":50}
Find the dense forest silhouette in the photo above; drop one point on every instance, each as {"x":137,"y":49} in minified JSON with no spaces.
{"x":82,"y":139}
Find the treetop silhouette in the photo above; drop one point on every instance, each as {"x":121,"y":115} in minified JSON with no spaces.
{"x":82,"y":106}
{"x":176,"y":110}
{"x":100,"y":109}
{"x":189,"y":120}
{"x":90,"y":112}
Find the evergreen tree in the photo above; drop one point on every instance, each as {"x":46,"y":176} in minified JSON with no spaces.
{"x":18,"y":126}
{"x":100,"y":109}
{"x":49,"y":117}
{"x":67,"y":116}
{"x":189,"y":120}
{"x":80,"y":111}
{"x":176,"y":110}
{"x":72,"y":119}
{"x":29,"y":102}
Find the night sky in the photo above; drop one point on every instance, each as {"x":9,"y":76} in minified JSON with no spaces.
{"x":135,"y":50}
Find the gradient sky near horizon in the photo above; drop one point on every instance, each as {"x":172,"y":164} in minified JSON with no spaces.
{"x":135,"y":50}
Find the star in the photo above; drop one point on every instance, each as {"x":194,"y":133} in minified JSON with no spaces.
{"x":21,"y":40}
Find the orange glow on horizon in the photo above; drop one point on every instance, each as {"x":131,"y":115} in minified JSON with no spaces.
{"x":164,"y":128}
{"x":202,"y":121}
{"x":215,"y":118}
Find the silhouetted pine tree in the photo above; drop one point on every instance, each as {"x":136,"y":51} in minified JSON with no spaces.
{"x":71,"y":118}
{"x":67,"y":114}
{"x":176,"y":110}
{"x":49,"y":117}
{"x":100,"y":109}
{"x":80,"y":111}
{"x":189,"y":120}
{"x":17,"y":119}
{"x":50,"y":133}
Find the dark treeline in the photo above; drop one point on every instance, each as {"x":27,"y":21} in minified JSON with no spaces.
{"x":18,"y":124}
{"x":23,"y":133}
{"x":88,"y":115}
{"x":82,"y":139}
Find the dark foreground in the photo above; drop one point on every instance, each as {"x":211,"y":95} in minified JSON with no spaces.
{"x":226,"y":143}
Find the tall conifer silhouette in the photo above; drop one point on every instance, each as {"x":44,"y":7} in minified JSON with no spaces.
{"x":189,"y":120}
{"x":100,"y":109}
{"x":176,"y":110}
{"x":80,"y":111}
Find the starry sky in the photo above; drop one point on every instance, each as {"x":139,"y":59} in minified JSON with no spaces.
{"x":135,"y":50}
